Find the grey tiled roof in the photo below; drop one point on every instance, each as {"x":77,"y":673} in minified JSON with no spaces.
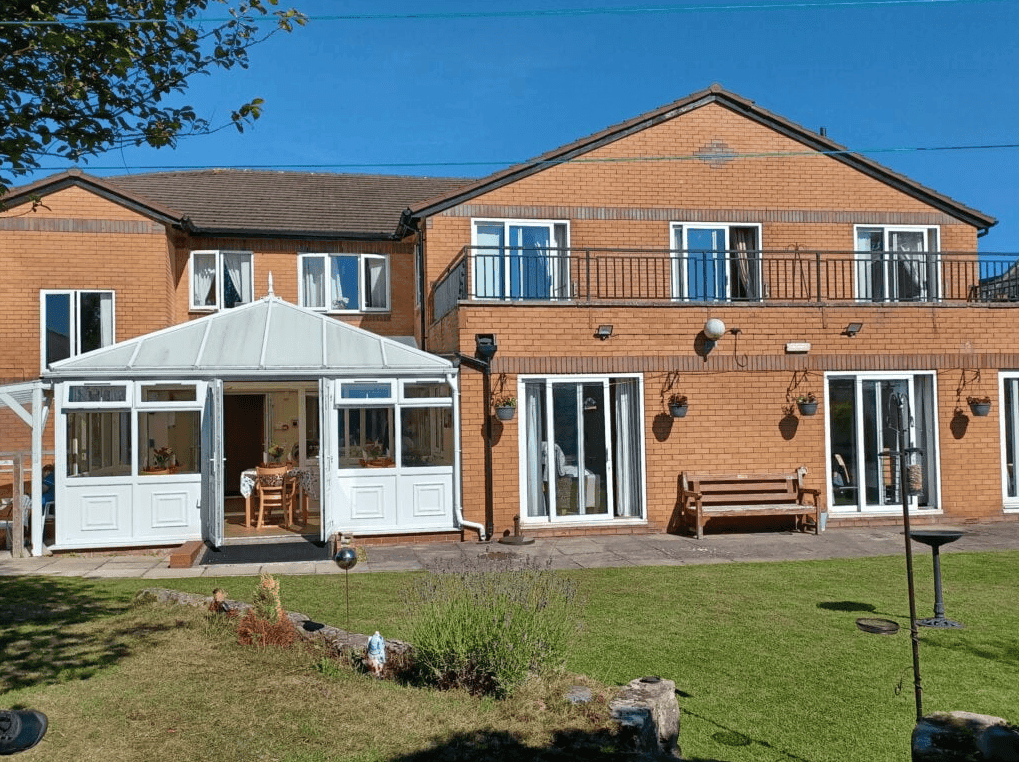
{"x":257,"y":201}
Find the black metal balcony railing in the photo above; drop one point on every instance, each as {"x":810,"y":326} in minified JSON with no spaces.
{"x":640,"y":275}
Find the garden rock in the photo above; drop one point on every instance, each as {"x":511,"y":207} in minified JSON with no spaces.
{"x":648,"y":714}
{"x":964,"y":737}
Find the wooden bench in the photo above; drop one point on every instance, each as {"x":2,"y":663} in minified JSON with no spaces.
{"x":707,"y":496}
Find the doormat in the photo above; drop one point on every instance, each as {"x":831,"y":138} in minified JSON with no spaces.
{"x":266,"y":553}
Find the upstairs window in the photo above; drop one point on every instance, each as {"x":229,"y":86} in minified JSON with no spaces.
{"x":74,"y":322}
{"x":897,"y":264}
{"x":716,"y":262}
{"x":220,"y":279}
{"x":521,"y":259}
{"x":344,"y":282}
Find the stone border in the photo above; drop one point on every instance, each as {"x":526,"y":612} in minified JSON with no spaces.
{"x":341,"y":641}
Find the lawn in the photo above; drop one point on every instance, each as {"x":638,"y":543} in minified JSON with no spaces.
{"x":767,"y":660}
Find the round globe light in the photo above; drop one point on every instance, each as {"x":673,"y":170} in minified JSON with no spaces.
{"x":714,"y":329}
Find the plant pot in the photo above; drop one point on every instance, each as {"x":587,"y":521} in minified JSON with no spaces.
{"x":678,"y":411}
{"x":505,"y":413}
{"x":377,"y":463}
{"x":155,"y":471}
{"x":980,"y":408}
{"x":807,"y":408}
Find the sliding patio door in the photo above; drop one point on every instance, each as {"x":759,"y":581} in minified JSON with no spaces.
{"x":866,"y":436}
{"x":520,"y":260}
{"x":581,"y":444}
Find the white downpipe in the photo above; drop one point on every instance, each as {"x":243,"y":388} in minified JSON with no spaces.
{"x":457,"y":481}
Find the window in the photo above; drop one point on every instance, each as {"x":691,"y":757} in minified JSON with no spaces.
{"x":1010,"y":435}
{"x":426,"y":436}
{"x":897,"y":264}
{"x":865,"y":434}
{"x":98,"y":443}
{"x":74,"y":322}
{"x":521,"y":259}
{"x":716,"y":262}
{"x":344,"y":282}
{"x":220,"y":279}
{"x":169,"y":442}
{"x":581,"y":448}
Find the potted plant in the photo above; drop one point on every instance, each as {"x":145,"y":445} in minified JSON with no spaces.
{"x":979,"y":405}
{"x":373,"y":455}
{"x":807,"y":403}
{"x":505,"y":407}
{"x":678,"y":405}
{"x":275,"y":452}
{"x":162,"y":461}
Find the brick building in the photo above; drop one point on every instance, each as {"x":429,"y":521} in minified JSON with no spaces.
{"x":591,"y":271}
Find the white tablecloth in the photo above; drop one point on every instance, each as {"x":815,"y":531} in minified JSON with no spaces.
{"x":307,"y":476}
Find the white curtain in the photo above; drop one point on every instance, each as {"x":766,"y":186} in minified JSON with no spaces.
{"x":203,"y":280}
{"x":628,"y":430}
{"x":378,"y":283}
{"x":488,"y":261}
{"x":314,"y":282}
{"x":536,"y":456}
{"x":744,"y":240}
{"x":237,"y":267}
{"x":106,"y":318}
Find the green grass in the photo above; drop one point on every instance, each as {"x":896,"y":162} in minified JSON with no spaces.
{"x":767,"y":660}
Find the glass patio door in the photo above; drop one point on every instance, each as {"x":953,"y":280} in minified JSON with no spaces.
{"x":581,"y":449}
{"x":579,"y":455}
{"x":865,"y":435}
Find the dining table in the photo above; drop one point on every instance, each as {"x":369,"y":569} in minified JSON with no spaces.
{"x":307,"y":481}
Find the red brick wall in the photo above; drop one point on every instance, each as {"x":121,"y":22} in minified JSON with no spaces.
{"x":741,"y":393}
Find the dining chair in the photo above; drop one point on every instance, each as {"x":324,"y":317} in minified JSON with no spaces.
{"x":270,"y":486}
{"x":292,"y":495}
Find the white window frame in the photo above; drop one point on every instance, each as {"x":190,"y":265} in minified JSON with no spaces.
{"x":862,"y":282}
{"x":559,"y":282}
{"x":219,"y":254}
{"x":363,"y":259}
{"x":606,"y":379}
{"x":861,"y":508}
{"x":680,"y":275}
{"x":1010,"y":504}
{"x":75,"y":328}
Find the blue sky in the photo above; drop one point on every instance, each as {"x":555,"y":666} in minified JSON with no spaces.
{"x":465,"y":96}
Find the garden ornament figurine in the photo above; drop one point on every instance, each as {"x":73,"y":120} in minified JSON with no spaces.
{"x":376,"y":654}
{"x":20,"y":729}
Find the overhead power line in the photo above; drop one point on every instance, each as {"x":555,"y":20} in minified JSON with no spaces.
{"x":539,"y":13}
{"x":721,"y":156}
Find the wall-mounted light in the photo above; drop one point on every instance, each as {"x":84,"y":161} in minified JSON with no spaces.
{"x":603,"y":332}
{"x":852,"y":329}
{"x":714,"y":329}
{"x":485,"y":346}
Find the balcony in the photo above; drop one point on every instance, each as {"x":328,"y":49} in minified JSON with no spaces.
{"x":641,"y":276}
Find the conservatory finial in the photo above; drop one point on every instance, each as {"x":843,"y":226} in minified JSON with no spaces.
{"x":271,"y":292}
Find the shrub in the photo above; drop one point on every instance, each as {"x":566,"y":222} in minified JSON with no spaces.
{"x":487,"y":630}
{"x":265,"y":623}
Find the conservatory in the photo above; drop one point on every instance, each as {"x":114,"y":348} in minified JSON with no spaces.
{"x":157,"y":438}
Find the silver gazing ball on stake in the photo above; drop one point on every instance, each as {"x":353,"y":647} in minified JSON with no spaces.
{"x":346,"y":559}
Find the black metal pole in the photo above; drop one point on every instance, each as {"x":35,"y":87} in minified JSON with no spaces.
{"x":914,"y":631}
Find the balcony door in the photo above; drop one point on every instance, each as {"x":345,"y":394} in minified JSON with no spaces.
{"x":716,"y":262}
{"x":520,"y":259}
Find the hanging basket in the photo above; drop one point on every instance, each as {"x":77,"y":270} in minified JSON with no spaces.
{"x":505,"y":413}
{"x":678,"y":411}
{"x":980,"y":408}
{"x":807,"y":408}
